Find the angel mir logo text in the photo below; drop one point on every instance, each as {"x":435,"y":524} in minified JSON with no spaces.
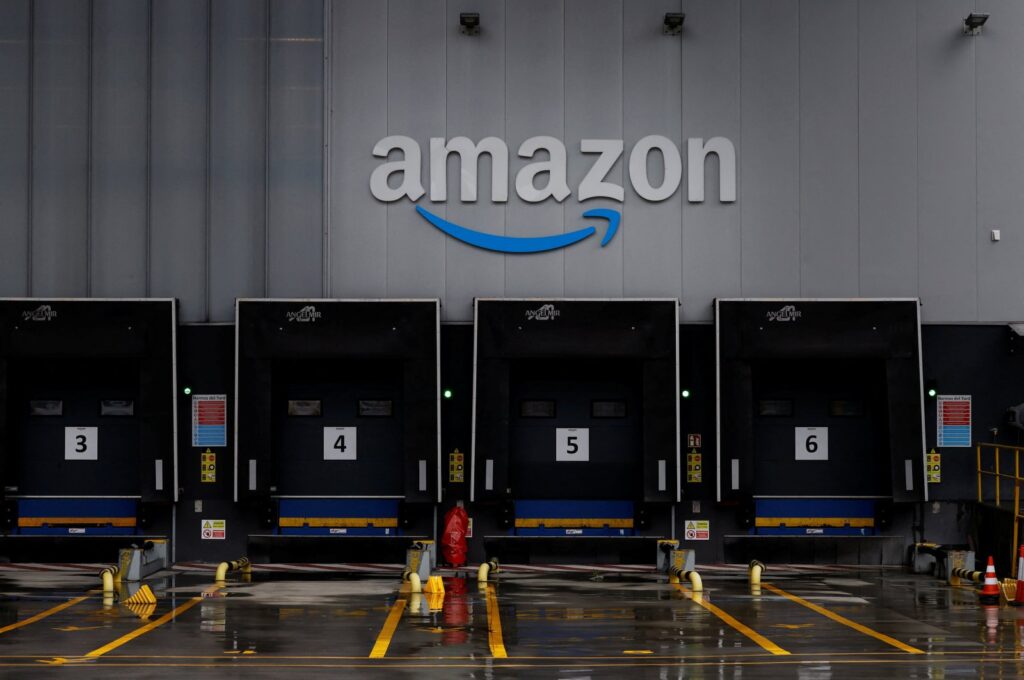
{"x":546,"y":176}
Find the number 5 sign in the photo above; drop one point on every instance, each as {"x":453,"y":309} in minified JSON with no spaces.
{"x":572,"y":443}
{"x":80,"y":443}
{"x":812,"y":443}
{"x":339,"y":443}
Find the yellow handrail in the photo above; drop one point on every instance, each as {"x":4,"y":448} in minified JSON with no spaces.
{"x":996,"y":473}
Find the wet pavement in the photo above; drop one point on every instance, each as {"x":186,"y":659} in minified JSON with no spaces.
{"x":801,"y":624}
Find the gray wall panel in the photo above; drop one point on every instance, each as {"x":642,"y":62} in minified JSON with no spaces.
{"x":238,"y":127}
{"x":535,"y":106}
{"x":769,"y":164}
{"x":60,"y":148}
{"x":829,"y":238}
{"x":593,"y":110}
{"x":475,"y":109}
{"x":416,"y":108}
{"x":359,"y":106}
{"x":712,"y":255}
{"x":178,"y":191}
{"x":1000,"y":72}
{"x":888,"y":148}
{"x":652,"y":85}
{"x":119,"y":148}
{"x":14,"y":139}
{"x":946,"y":162}
{"x":295,"y":217}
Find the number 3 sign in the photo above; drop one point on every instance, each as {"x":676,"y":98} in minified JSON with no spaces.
{"x":81,"y":443}
{"x":572,"y":443}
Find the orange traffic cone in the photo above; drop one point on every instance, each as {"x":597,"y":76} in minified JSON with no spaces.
{"x":990,"y":590}
{"x":1018,"y":599}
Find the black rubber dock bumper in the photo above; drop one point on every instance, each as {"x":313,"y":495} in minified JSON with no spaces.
{"x":59,"y":548}
{"x":572,"y":549}
{"x":269,"y":548}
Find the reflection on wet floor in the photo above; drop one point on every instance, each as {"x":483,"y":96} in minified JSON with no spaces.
{"x":861,"y":624}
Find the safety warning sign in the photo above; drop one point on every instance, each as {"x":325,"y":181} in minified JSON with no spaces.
{"x":694,"y":473}
{"x":209,"y":420}
{"x":934,"y":467}
{"x":698,"y":530}
{"x":214,"y":529}
{"x":208,"y":467}
{"x":954,"y":420}
{"x":456,"y":467}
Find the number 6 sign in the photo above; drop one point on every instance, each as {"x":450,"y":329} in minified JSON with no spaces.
{"x":812,"y":443}
{"x":81,"y":443}
{"x":572,"y":443}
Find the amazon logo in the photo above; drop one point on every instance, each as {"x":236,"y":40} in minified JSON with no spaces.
{"x":545,"y":178}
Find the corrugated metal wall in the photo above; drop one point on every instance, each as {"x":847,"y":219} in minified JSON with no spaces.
{"x":209,"y":149}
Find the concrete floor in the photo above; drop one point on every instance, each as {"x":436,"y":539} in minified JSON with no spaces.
{"x":805,"y":625}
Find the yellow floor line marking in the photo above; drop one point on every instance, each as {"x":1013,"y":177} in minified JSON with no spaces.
{"x":380,"y":647}
{"x":142,"y":630}
{"x":494,"y":637}
{"x":42,"y":615}
{"x":845,"y":621}
{"x":761,"y":640}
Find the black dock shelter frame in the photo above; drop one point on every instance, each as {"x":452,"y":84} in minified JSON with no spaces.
{"x":794,"y":342}
{"x":337,"y":423}
{"x":88,"y":426}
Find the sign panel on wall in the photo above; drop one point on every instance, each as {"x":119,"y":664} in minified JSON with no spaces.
{"x":811,"y":443}
{"x":953,"y":418}
{"x":339,"y":443}
{"x":697,"y":530}
{"x":80,"y":443}
{"x":213,"y":529}
{"x":572,"y":444}
{"x":209,"y":420}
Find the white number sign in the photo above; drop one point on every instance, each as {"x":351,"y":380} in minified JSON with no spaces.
{"x":572,"y":443}
{"x":812,"y":443}
{"x":339,"y":443}
{"x":80,"y":443}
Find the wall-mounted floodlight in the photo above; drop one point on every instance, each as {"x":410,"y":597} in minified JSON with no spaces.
{"x":674,"y":23}
{"x":469,"y":23}
{"x":973,"y":23}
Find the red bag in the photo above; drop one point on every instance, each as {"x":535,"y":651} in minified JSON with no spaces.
{"x":453,"y":539}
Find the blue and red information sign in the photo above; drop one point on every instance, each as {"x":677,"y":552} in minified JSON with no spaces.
{"x":953,"y":419}
{"x":209,"y":420}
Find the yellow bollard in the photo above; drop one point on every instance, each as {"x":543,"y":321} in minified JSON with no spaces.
{"x":696,"y":585}
{"x":756,"y":569}
{"x":109,"y":576}
{"x":415,"y":585}
{"x":487,"y":568}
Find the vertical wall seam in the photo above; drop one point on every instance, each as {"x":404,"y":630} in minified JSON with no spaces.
{"x":266,"y":155}
{"x":207,"y":202}
{"x":622,"y":135}
{"x":917,"y":144}
{"x":739,"y":170}
{"x":387,"y":131}
{"x":29,"y":147}
{"x":799,"y":150}
{"x":565,"y":131}
{"x":148,"y":227}
{"x":89,"y":102}
{"x":977,"y":194}
{"x":682,"y":196}
{"x":859,"y":226}
{"x":325,"y":148}
{"x":444,"y":71}
{"x":504,"y":208}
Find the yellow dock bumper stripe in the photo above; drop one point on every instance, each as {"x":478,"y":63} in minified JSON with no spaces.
{"x":76,"y":521}
{"x":843,"y":620}
{"x":563,"y":523}
{"x":494,"y":637}
{"x":142,"y":630}
{"x":853,"y":522}
{"x":348,"y":522}
{"x":746,"y":630}
{"x":42,"y":615}
{"x":380,"y":647}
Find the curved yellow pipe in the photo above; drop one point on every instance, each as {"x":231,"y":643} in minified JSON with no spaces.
{"x":696,"y":585}
{"x":109,"y":576}
{"x":242,"y":564}
{"x":415,"y":585}
{"x":483,"y":573}
{"x":222,"y":572}
{"x":756,"y":569}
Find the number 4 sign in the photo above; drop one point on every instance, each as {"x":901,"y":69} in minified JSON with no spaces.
{"x":572,"y":444}
{"x":812,"y":443}
{"x":339,"y":443}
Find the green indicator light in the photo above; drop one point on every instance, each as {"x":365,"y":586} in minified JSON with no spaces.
{"x":447,"y":394}
{"x":932,"y":392}
{"x":187,"y":391}
{"x":685,"y":394}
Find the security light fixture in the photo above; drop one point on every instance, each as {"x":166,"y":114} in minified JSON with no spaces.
{"x":469,"y":23}
{"x":674,"y":23}
{"x":973,"y":23}
{"x":685,"y":394}
{"x":187,"y":391}
{"x":931,"y":388}
{"x":448,"y":394}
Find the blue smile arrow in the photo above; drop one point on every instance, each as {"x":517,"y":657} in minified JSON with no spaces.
{"x":525,"y":244}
